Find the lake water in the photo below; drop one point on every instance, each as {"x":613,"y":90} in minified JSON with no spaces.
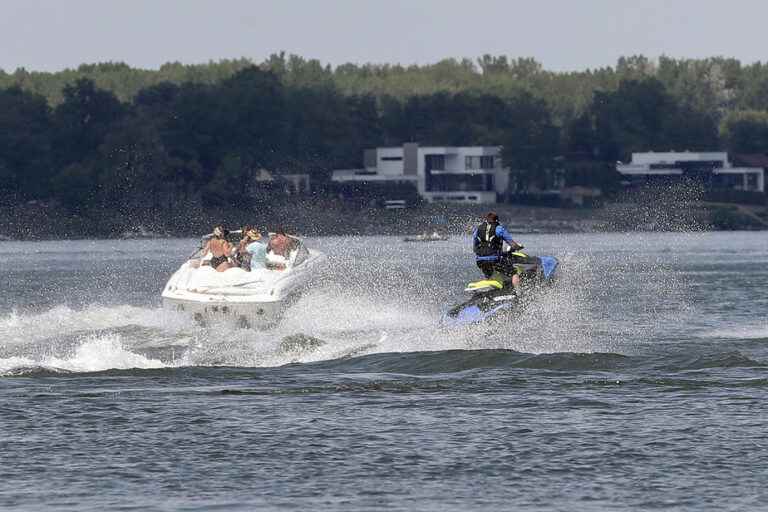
{"x":638,"y":382}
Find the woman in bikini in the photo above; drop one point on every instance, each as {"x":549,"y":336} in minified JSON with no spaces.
{"x":220,"y":249}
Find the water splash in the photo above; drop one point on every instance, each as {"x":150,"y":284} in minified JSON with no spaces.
{"x":614,"y":293}
{"x":96,"y":353}
{"x":62,"y":321}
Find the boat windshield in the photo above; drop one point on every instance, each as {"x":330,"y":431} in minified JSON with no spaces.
{"x":300,"y":255}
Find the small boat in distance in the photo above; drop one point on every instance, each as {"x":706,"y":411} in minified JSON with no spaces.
{"x":140,"y":233}
{"x":427,"y":237}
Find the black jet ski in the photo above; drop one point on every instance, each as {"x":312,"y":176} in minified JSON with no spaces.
{"x":494,"y":297}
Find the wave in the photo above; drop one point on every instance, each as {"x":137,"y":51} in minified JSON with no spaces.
{"x":682,"y":384}
{"x":107,"y":355}
{"x":453,"y":361}
{"x":96,"y":353}
{"x":24,"y":328}
{"x":713,"y":360}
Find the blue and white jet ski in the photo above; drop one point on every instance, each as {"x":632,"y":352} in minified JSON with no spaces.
{"x":494,"y":298}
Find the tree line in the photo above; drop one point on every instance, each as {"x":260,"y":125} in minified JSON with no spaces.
{"x":107,"y":136}
{"x":716,"y":84}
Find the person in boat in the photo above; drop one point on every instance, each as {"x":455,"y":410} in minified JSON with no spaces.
{"x":250,"y":248}
{"x":220,"y":249}
{"x":488,"y":243}
{"x":241,"y":256}
{"x":281,"y":244}
{"x":279,"y":250}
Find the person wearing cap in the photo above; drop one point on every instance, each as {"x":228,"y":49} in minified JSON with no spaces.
{"x":250,"y":249}
{"x":488,"y":242}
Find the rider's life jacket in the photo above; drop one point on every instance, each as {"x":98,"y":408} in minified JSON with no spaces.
{"x":487,"y":243}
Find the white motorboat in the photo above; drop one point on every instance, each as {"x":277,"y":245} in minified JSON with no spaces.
{"x":253,"y":298}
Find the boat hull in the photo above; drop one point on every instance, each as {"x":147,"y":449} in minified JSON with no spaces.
{"x":253,"y":314}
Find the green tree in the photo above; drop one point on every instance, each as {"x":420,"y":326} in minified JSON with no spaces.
{"x":531,"y":143}
{"x":746,"y":131}
{"x":83,"y":119}
{"x":25,"y":143}
{"x":232,"y":183}
{"x":252,"y":120}
{"x":76,"y":186}
{"x":641,"y":116}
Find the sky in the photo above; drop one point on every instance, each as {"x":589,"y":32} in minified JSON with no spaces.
{"x":564,"y":35}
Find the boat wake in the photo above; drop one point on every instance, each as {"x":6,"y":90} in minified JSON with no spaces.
{"x":94,"y":354}
{"x":339,"y":322}
{"x":326,"y":324}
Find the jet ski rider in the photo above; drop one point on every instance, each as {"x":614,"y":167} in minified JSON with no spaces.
{"x":488,"y":241}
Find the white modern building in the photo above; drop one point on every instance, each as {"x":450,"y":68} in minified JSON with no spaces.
{"x":713,"y":168}
{"x":466,"y":174}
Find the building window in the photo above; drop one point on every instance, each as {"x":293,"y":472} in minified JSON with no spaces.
{"x":392,"y":158}
{"x":480,"y":162}
{"x":461,"y":183}
{"x":434,"y":162}
{"x":752,"y":182}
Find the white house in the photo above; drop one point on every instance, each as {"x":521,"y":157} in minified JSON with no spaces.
{"x":466,"y":174}
{"x":713,"y":168}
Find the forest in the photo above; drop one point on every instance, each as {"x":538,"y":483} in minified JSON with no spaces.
{"x":108,"y":137}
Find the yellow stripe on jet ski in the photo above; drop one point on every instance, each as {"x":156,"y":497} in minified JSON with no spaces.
{"x":492,"y":283}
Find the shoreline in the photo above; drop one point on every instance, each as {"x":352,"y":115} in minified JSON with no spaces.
{"x":40,"y":221}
